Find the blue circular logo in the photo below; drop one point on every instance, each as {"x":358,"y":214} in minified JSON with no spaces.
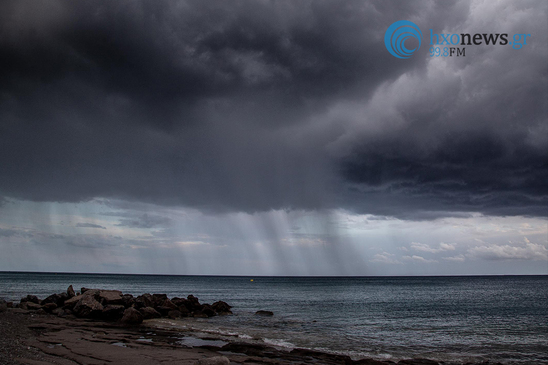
{"x":395,"y":37}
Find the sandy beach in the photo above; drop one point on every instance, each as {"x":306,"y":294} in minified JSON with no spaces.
{"x":27,"y":337}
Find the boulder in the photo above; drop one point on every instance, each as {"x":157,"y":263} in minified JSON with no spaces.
{"x":169,"y":303}
{"x":182,"y":302}
{"x":184,"y":311}
{"x":128,"y":300}
{"x":92,"y":293}
{"x":215,"y":360}
{"x":164,"y":310}
{"x":33,"y":306}
{"x":199,"y":314}
{"x":193,"y":303}
{"x":23,"y":305}
{"x":174,"y":314}
{"x":158,"y":299}
{"x":149,"y":312}
{"x":113,"y":312}
{"x":107,"y":297}
{"x":208,"y":310}
{"x":31,"y":298}
{"x":132,"y":316}
{"x":70,"y":292}
{"x":221,"y":308}
{"x":3,"y":306}
{"x":59,"y":312}
{"x":70,"y":303}
{"x":88,"y":306}
{"x":49,"y":307}
{"x":264,"y":313}
{"x":144,"y":300}
{"x":57,"y":299}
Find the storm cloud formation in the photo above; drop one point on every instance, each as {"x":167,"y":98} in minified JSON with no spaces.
{"x":258,"y":105}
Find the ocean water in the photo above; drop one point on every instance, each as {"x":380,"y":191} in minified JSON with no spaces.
{"x":457,"y":319}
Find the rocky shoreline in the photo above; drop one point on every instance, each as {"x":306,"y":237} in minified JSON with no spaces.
{"x":98,"y":326}
{"x":114,"y":306}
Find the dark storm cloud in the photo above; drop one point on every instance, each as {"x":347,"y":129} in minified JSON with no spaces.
{"x":233,"y":106}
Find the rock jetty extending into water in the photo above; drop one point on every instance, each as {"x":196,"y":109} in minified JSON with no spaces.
{"x":114,"y":306}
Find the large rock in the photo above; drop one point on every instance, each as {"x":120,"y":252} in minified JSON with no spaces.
{"x":128,"y":300}
{"x":193,"y":303}
{"x":59,"y":312}
{"x":31,"y":298}
{"x":170,"y":304}
{"x":222,"y":308}
{"x":132,"y":317}
{"x":88,"y":306}
{"x":70,"y":303}
{"x":208,"y":310}
{"x":92,"y":292}
{"x":199,"y":314}
{"x":57,"y":299}
{"x":107,"y":297}
{"x":144,"y":300}
{"x":215,"y":360}
{"x":158,"y":300}
{"x":179,"y":301}
{"x":174,"y":314}
{"x":33,"y":306}
{"x":49,"y":307}
{"x":113,"y":312}
{"x":163,"y":310}
{"x":70,"y":292}
{"x":184,"y":311}
{"x":149,"y":312}
{"x":166,"y":307}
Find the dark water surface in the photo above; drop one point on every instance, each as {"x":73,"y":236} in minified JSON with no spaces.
{"x":496,"y":318}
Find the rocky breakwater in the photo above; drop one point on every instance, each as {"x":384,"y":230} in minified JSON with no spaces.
{"x":113,"y":305}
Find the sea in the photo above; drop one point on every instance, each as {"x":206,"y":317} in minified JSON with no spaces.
{"x":456,"y":319}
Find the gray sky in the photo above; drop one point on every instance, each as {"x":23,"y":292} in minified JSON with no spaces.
{"x":271,"y":137}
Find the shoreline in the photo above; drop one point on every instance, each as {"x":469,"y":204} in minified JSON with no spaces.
{"x":37,"y":339}
{"x":96,"y":326}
